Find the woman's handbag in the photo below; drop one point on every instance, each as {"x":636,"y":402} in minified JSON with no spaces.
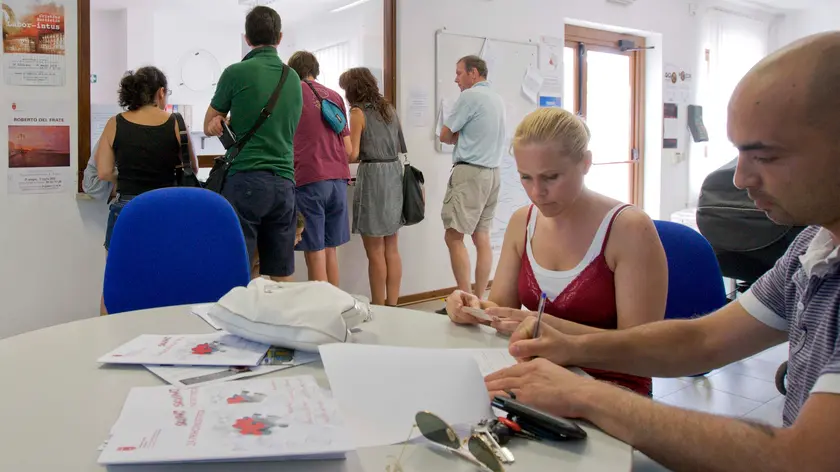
{"x":184,"y":175}
{"x":414,"y":195}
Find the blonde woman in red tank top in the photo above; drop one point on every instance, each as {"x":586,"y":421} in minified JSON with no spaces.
{"x":600,"y":262}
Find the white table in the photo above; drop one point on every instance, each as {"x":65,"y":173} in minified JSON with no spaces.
{"x":57,"y":403}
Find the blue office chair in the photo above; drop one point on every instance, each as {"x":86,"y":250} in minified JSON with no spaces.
{"x":174,"y":246}
{"x":695,"y":283}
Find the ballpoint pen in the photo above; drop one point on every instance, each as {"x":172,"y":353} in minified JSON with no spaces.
{"x":540,"y":311}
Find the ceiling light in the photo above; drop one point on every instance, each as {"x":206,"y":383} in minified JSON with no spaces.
{"x":349,"y":6}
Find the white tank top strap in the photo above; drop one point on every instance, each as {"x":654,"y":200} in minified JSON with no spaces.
{"x":600,"y":240}
{"x":554,"y":282}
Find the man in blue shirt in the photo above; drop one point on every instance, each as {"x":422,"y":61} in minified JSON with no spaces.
{"x":783,"y":120}
{"x":476,"y":127}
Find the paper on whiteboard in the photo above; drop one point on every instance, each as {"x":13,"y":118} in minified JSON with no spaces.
{"x":443,"y":112}
{"x":551,"y":54}
{"x":491,"y":58}
{"x":532,"y":84}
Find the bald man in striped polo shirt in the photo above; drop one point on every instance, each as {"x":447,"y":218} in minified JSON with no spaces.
{"x":784,"y":117}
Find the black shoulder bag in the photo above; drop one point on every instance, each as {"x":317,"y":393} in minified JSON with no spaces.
{"x":414,"y":194}
{"x":218,"y":175}
{"x":184,"y":175}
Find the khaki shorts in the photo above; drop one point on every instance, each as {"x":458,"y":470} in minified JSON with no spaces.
{"x":471,"y":197}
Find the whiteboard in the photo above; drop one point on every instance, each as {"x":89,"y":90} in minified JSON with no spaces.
{"x":506,"y":70}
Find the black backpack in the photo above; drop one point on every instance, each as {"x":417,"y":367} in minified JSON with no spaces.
{"x":747,"y":243}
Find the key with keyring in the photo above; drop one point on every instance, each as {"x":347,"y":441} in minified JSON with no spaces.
{"x":516,"y":430}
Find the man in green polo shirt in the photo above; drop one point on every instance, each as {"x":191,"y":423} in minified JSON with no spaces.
{"x":261,"y":183}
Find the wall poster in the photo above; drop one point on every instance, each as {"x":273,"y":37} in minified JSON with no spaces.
{"x":34,"y":43}
{"x":39,"y":147}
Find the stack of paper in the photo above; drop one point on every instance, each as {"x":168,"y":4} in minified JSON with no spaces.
{"x":218,"y":349}
{"x":279,"y":419}
{"x":193,"y":376}
{"x":203,"y":312}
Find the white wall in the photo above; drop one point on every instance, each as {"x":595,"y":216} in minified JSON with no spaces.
{"x":706,"y":157}
{"x":361,"y":27}
{"x":108,"y":54}
{"x":140,"y":36}
{"x":177,"y":33}
{"x":128,"y":39}
{"x":668,"y":23}
{"x":797,"y":25}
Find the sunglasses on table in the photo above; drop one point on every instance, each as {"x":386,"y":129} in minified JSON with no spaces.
{"x":476,"y":449}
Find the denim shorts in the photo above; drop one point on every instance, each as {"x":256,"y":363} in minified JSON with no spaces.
{"x":113,"y":212}
{"x":324,"y":207}
{"x":265,"y":204}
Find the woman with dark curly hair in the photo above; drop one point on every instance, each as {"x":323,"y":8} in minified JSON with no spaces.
{"x":143,"y":142}
{"x":378,"y":198}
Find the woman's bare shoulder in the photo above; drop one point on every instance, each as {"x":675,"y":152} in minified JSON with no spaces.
{"x":633,"y":227}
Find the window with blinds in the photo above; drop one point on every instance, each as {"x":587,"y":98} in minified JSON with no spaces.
{"x":334,"y":60}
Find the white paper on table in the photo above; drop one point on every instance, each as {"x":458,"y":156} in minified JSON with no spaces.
{"x":203,"y":312}
{"x":193,"y":376}
{"x":219,"y":349}
{"x":284,"y":418}
{"x":189,"y":376}
{"x":494,"y":360}
{"x":532,"y":84}
{"x":379,"y":389}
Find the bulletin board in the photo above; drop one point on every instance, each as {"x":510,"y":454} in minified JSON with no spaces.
{"x":508,"y":62}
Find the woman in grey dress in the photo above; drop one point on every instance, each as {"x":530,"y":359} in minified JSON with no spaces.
{"x":378,"y":198}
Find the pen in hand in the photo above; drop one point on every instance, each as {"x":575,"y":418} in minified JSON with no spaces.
{"x":540,"y":311}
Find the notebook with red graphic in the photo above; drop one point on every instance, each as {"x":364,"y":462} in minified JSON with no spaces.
{"x":218,"y":349}
{"x":276,"y":419}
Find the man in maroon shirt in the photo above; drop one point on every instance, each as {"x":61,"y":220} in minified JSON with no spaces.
{"x":321,"y":174}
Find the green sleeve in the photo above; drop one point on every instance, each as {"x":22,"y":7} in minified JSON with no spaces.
{"x":224,"y":92}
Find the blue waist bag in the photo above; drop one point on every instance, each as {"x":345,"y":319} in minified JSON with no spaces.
{"x":332,"y":114}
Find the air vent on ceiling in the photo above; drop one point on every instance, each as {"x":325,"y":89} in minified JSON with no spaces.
{"x":622,"y":2}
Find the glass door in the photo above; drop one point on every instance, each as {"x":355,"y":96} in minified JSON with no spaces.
{"x":602,"y":86}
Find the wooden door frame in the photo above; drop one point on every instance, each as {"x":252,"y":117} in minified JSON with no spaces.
{"x":607,"y":41}
{"x":83,"y":77}
{"x":83,"y":71}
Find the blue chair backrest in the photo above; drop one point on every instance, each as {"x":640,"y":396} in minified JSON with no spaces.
{"x":174,"y":246}
{"x":695,"y":283}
